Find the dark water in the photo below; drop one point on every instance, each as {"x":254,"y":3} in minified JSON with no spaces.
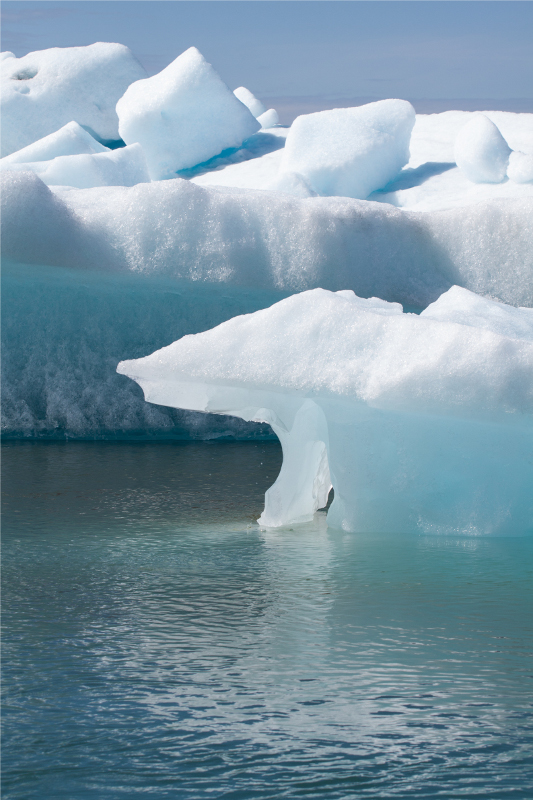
{"x":158,"y":644}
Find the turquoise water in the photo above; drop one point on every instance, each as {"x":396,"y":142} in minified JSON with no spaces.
{"x":158,"y":644}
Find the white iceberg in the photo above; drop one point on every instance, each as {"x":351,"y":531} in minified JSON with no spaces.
{"x":481,"y":152}
{"x":125,"y":166}
{"x":274,"y":241}
{"x":418,"y":422}
{"x":249,"y":99}
{"x":45,"y":90}
{"x":183,"y":116}
{"x":70,"y":140}
{"x":350,"y":152}
{"x":429,"y":182}
{"x":268,"y":119}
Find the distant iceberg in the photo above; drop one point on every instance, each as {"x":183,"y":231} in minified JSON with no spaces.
{"x":419,"y":423}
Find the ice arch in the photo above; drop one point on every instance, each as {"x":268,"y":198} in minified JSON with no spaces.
{"x":420,"y":423}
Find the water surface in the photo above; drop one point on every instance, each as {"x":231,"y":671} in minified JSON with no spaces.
{"x":157,"y":643}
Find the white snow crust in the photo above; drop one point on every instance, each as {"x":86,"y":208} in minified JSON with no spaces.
{"x":520,"y":169}
{"x":125,"y":166}
{"x":70,"y":140}
{"x":272,"y":240}
{"x":183,"y":116}
{"x":419,"y":422}
{"x":45,"y":90}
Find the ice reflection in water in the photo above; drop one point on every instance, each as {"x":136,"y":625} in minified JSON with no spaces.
{"x":158,"y":642}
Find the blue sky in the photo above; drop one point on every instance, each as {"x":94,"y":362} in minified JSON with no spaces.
{"x":295,"y":48}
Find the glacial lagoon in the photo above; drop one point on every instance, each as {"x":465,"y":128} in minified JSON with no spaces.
{"x":158,"y":643}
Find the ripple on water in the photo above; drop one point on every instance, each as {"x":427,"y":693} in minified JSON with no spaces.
{"x":157,"y":642}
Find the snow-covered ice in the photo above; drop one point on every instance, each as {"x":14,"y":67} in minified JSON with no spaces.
{"x":520,"y":169}
{"x":430,"y":181}
{"x":125,"y":166}
{"x":269,"y":118}
{"x":249,"y":99}
{"x":183,"y":116}
{"x":100,"y":257}
{"x":70,"y":140}
{"x":272,"y":240}
{"x":418,"y":422}
{"x":46,"y":89}
{"x":481,"y":152}
{"x":350,"y":151}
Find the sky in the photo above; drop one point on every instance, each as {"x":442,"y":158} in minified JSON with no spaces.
{"x":310,"y":51}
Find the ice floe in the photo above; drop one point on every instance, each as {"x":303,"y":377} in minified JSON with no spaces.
{"x":273,"y":240}
{"x":251,"y":102}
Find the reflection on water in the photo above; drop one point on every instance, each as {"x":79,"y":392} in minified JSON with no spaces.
{"x":157,"y":642}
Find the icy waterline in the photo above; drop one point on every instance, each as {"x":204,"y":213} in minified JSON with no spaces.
{"x":156,"y":641}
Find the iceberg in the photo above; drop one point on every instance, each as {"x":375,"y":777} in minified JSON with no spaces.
{"x":70,"y":140}
{"x":419,"y":422}
{"x":64,"y":329}
{"x":430,"y":181}
{"x":272,"y":240}
{"x":269,"y":118}
{"x":252,"y":215}
{"x":481,"y":152}
{"x":350,"y":151}
{"x":251,"y":102}
{"x":47,"y":89}
{"x":125,"y":166}
{"x":183,"y":116}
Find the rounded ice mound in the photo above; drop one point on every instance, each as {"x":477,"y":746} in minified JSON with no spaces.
{"x":183,"y":116}
{"x":269,"y":118}
{"x":70,"y":140}
{"x":481,"y":152}
{"x":350,"y":152}
{"x":251,"y":102}
{"x":47,"y":89}
{"x":520,"y":169}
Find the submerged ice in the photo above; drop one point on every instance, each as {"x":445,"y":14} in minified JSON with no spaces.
{"x":418,"y":422}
